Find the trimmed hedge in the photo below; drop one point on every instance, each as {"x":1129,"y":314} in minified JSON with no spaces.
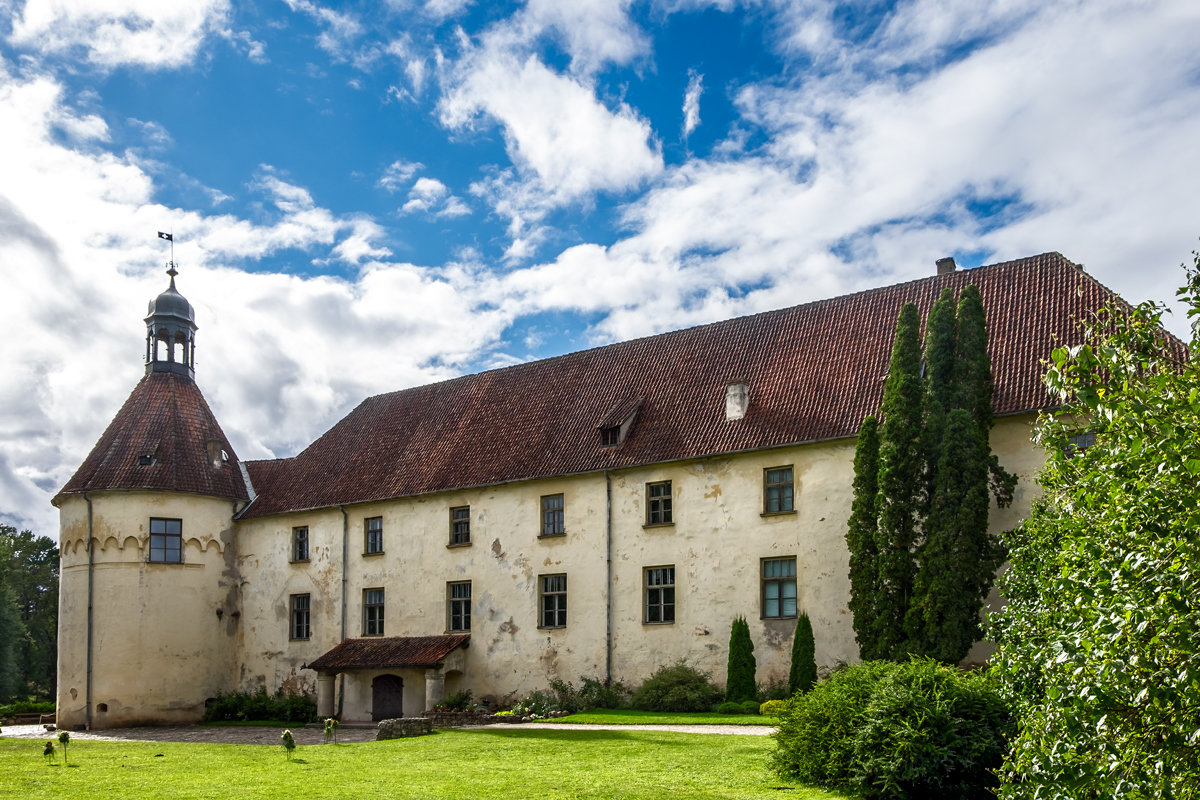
{"x":887,"y":730}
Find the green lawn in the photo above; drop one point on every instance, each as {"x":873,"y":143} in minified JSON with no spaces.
{"x":491,"y":763}
{"x":613,"y":716}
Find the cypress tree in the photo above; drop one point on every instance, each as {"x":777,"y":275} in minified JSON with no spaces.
{"x":739,"y":683}
{"x":975,"y":386}
{"x":860,"y":540}
{"x":803,"y":674}
{"x":941,"y":384}
{"x":901,"y":479}
{"x":958,"y":558}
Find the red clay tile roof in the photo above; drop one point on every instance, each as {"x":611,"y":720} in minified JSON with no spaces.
{"x":814,"y":372}
{"x":392,"y":652}
{"x":167,"y":419}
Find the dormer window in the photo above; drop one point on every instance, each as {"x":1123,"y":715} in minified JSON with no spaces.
{"x":617,"y":422}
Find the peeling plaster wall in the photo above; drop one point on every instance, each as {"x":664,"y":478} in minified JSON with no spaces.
{"x":163,"y":635}
{"x":716,"y":544}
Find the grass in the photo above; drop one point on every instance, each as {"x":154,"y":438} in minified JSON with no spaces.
{"x":626,"y":716}
{"x":491,"y":763}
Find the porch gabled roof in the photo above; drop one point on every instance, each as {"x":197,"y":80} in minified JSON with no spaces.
{"x":392,"y":652}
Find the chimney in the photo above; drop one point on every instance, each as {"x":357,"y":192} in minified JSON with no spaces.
{"x":946,"y":265}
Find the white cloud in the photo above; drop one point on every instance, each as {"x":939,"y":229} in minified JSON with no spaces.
{"x":594,"y":32}
{"x":564,"y":143}
{"x":431,"y":196}
{"x":110,"y":33}
{"x":398,"y":174}
{"x":691,"y":102}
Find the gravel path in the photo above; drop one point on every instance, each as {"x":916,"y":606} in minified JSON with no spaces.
{"x":346,"y":733}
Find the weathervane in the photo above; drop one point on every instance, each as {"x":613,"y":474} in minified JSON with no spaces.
{"x":170,"y":237}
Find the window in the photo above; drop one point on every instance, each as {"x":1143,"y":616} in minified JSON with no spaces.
{"x":658,"y":503}
{"x":373,"y":542}
{"x":166,"y":541}
{"x":460,"y":525}
{"x":1078,"y":443}
{"x":458,"y":605}
{"x":300,"y":546}
{"x":300,"y":617}
{"x":553,"y":599}
{"x":610,"y":436}
{"x":778,"y":587}
{"x":660,"y":594}
{"x":373,"y":612}
{"x":552,"y":515}
{"x":777,"y":490}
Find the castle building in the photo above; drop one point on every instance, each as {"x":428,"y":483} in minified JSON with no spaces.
{"x":597,"y":514}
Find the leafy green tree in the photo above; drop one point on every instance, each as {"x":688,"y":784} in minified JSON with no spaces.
{"x":901,"y":474}
{"x":29,"y":577}
{"x":739,"y":683}
{"x":860,"y":538}
{"x":803,"y":674}
{"x":1098,"y":641}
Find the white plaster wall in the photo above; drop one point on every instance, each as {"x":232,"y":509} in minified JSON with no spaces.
{"x":163,"y":635}
{"x":716,"y":544}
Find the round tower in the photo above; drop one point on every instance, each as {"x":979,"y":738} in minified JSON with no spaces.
{"x":149,"y":605}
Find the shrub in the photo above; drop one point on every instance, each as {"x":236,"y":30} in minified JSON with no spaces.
{"x":803,"y":674}
{"x":536,"y":704}
{"x":677,"y":687}
{"x":771,"y":708}
{"x":566,"y":696}
{"x":739,"y":682}
{"x":27,"y":707}
{"x":459,"y":701}
{"x":730,"y":708}
{"x":750,"y":707}
{"x":885,"y":730}
{"x":595,"y":693}
{"x":776,"y":689}
{"x":258,"y":706}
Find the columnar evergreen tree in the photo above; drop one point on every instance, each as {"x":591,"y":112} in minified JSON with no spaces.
{"x":860,"y":539}
{"x":934,"y":559}
{"x":901,"y":477}
{"x":739,"y":683}
{"x":958,"y":558}
{"x":803,"y":674}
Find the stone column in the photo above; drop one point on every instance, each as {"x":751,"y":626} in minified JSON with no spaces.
{"x":324,"y":695}
{"x":435,"y":688}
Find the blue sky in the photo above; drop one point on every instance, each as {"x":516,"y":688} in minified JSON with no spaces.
{"x":370,"y":196}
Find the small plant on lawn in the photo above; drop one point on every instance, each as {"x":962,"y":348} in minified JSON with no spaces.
{"x":803,"y":675}
{"x":64,"y":738}
{"x":739,"y":683}
{"x":289,"y":743}
{"x":331,"y":726}
{"x":730,"y":708}
{"x":771,"y":708}
{"x":677,"y":687}
{"x":48,"y":751}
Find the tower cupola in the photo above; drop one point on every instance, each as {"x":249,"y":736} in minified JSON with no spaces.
{"x":171,"y":332}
